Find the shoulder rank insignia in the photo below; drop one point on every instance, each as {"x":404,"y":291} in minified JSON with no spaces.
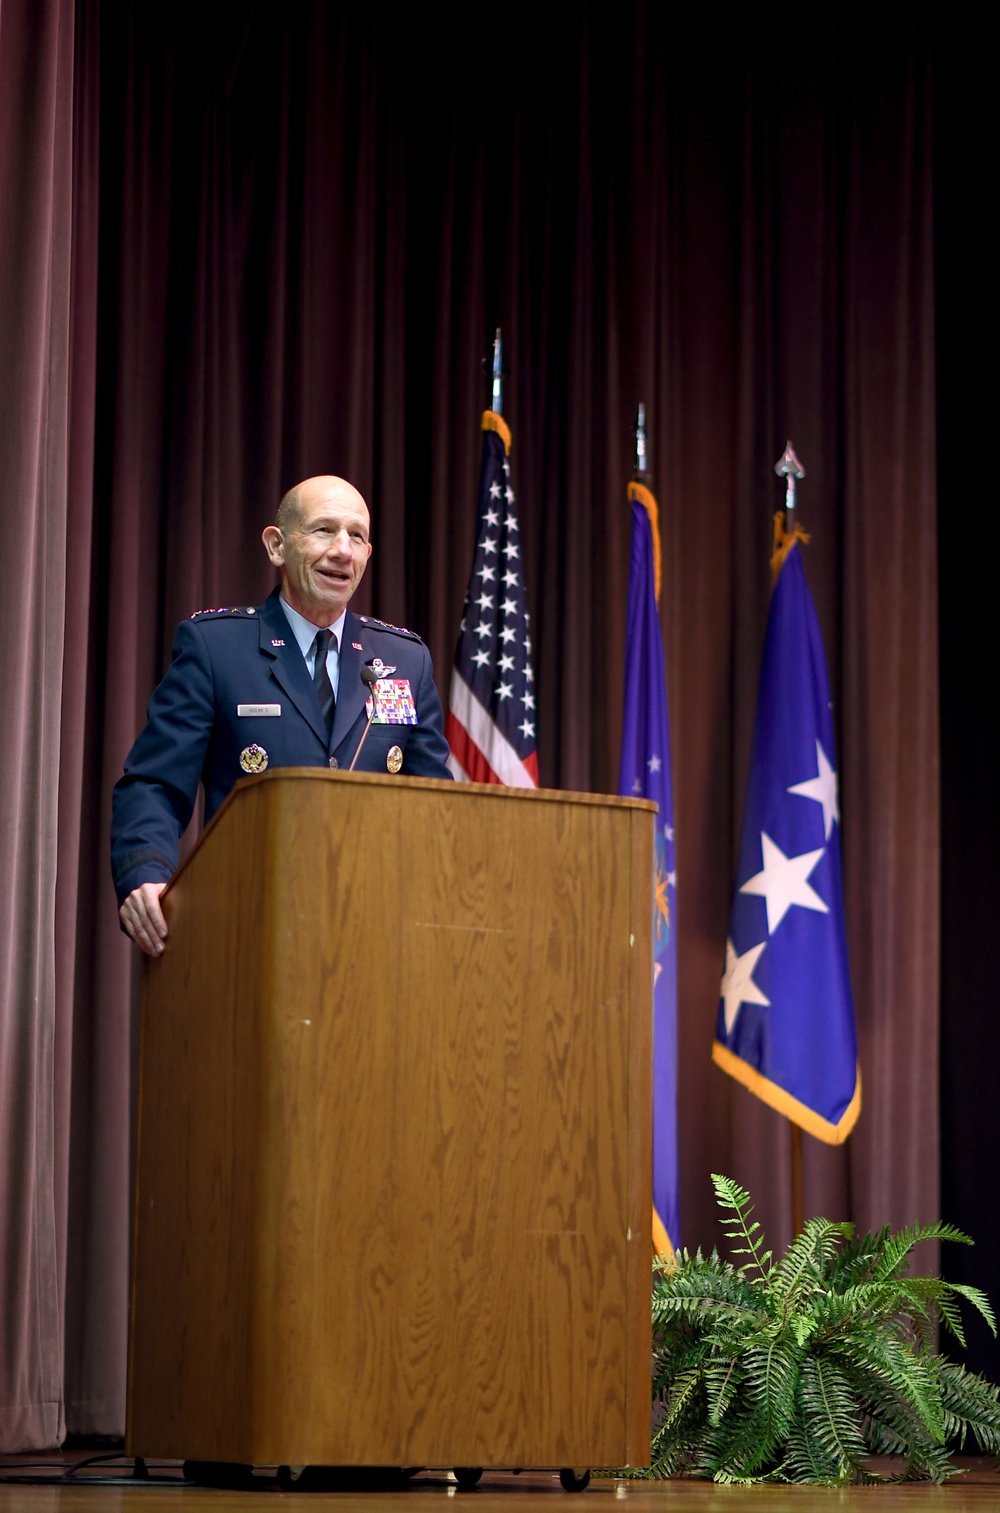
{"x":241,"y":610}
{"x":397,"y":630}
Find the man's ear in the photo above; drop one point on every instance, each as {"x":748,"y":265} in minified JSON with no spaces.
{"x":273,"y":544}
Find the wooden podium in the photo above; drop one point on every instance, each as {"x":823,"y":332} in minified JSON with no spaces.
{"x":393,"y":1174}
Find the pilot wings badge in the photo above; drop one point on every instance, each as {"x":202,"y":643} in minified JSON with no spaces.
{"x":379,"y":668}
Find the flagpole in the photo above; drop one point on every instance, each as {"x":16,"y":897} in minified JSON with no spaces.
{"x":790,"y":468}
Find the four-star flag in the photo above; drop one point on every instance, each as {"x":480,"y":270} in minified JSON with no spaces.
{"x":491,"y":706}
{"x":645,"y":773}
{"x":785,"y":1027}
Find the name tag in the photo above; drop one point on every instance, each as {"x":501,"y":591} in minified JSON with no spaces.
{"x":258,"y":711}
{"x":395,"y":703}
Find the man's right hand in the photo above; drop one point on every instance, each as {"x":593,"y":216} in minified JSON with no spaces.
{"x":142,"y":918}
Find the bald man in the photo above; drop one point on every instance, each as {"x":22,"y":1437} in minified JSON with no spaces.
{"x":279,"y":685}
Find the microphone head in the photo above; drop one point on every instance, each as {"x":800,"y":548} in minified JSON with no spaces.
{"x":369,"y":677}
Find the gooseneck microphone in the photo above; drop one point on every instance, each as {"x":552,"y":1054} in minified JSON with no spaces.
{"x":369,"y":678}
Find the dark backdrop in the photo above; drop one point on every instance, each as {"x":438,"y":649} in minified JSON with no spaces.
{"x":277,"y":242}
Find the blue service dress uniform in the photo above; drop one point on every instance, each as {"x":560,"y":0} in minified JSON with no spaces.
{"x":227,"y":658}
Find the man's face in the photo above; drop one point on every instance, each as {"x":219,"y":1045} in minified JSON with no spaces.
{"x":323,"y":550}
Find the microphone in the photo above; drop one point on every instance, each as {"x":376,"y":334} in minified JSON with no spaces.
{"x":369,"y":678}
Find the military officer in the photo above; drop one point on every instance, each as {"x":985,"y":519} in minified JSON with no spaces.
{"x":270,"y":686}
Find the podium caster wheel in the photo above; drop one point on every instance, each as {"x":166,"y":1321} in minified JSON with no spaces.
{"x":468,"y":1477}
{"x":231,"y":1474}
{"x":573,"y":1479}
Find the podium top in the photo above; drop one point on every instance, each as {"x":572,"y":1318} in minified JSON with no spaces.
{"x":462,"y":792}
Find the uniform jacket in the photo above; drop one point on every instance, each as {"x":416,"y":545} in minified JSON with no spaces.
{"x":230,"y":657}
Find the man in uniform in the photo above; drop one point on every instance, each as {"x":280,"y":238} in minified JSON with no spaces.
{"x":280,"y":685}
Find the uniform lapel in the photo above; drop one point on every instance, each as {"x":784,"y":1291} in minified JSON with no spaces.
{"x":351,"y":693}
{"x":288,"y":668}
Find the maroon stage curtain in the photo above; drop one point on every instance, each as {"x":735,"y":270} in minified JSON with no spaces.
{"x":282,"y":250}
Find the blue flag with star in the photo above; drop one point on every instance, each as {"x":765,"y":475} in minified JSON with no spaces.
{"x":645,"y":773}
{"x":785,"y":1027}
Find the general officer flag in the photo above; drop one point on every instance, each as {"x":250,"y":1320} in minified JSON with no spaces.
{"x":785,"y":1026}
{"x":645,"y":773}
{"x":491,"y":706}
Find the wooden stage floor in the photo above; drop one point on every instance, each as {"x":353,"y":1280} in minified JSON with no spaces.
{"x":498,"y":1492}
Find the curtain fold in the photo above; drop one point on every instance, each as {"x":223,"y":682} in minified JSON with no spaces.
{"x":308,"y":228}
{"x":36,"y":464}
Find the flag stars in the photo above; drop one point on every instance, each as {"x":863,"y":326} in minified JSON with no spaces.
{"x":504,"y":691}
{"x":510,"y":522}
{"x":738,"y":986}
{"x":783,"y":881}
{"x":654,"y":764}
{"x":510,"y":549}
{"x":481,"y":657}
{"x":495,"y":492}
{"x":487,"y":573}
{"x":528,"y":700}
{"x":823,"y":789}
{"x":526,"y":728}
{"x":529,"y":676}
{"x":488,"y":545}
{"x":511,"y":578}
{"x":484,"y":601}
{"x":509,"y":607}
{"x":506,"y":663}
{"x":483,"y":629}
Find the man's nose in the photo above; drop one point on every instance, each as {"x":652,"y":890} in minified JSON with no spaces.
{"x":340,"y":542}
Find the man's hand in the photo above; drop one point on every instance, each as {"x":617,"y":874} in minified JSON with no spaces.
{"x":142,"y":918}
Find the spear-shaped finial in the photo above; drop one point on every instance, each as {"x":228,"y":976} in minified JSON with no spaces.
{"x":641,"y":466}
{"x":786,"y":528}
{"x":497,"y":401}
{"x":790,"y":468}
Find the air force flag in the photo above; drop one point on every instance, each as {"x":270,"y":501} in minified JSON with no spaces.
{"x":645,"y":773}
{"x":786,"y":1016}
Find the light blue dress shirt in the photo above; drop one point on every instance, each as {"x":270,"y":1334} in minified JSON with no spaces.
{"x":304,"y":632}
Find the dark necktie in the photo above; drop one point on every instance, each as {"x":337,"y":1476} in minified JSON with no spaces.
{"x":321,"y":677}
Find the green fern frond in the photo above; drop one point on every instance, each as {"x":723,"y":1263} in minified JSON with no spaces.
{"x":805,"y":1369}
{"x":978,"y":1299}
{"x":897,"y":1247}
{"x":810,"y":1256}
{"x":730,"y":1195}
{"x":970,"y":1404}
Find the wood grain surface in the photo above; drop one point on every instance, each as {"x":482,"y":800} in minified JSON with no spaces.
{"x":393,"y":1188}
{"x":975,"y":1492}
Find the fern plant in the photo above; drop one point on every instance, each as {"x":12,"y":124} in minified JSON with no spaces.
{"x":806,"y":1368}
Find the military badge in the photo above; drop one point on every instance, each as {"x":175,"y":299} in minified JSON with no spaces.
{"x":394,"y":759}
{"x":395,"y":703}
{"x":379,"y":668}
{"x":253,"y":758}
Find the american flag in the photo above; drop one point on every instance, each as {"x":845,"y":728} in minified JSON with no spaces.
{"x":491,"y":708}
